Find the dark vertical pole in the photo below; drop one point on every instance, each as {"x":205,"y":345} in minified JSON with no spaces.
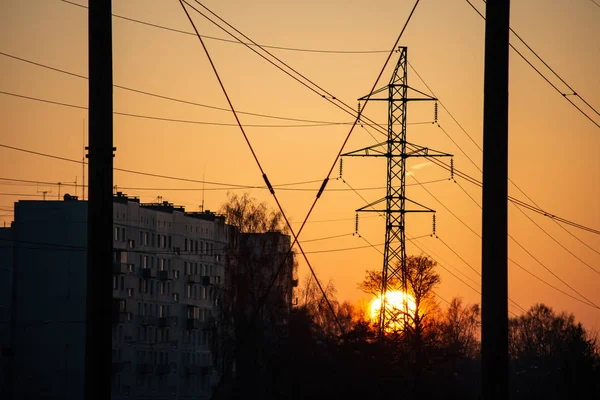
{"x":494,"y":328}
{"x":98,"y":337}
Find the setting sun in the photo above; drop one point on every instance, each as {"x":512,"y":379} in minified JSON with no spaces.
{"x":395,"y":303}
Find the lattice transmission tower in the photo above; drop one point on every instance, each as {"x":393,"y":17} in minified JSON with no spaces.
{"x":396,"y":150}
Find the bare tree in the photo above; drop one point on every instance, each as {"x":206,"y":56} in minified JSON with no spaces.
{"x":249,"y":216}
{"x":256,"y":295}
{"x":552,"y":356}
{"x":459,"y":328}
{"x":421,"y":280}
{"x":311,"y":299}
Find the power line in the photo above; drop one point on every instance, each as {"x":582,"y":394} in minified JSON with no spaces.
{"x":139,"y":91}
{"x":413,"y":239}
{"x":438,"y":257}
{"x":478,"y":183}
{"x":165,"y":119}
{"x":284,"y":186}
{"x":304,"y":50}
{"x":458,"y":255}
{"x":447,"y":209}
{"x":551,"y":272}
{"x":517,"y":242}
{"x":556,"y":241}
{"x":437,"y":162}
{"x":444,"y":107}
{"x":134,"y":115}
{"x":554,"y":220}
{"x":181,"y":2}
{"x":564,"y":95}
{"x":551,"y":285}
{"x":516,"y":201}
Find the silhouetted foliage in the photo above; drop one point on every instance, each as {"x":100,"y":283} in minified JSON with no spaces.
{"x":552,"y":356}
{"x":459,"y":327}
{"x":255,"y":299}
{"x":248,"y":216}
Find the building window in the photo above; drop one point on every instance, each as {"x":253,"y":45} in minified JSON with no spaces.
{"x":176,"y":297}
{"x":162,"y":288}
{"x":131,"y":244}
{"x":123,"y":238}
{"x":189,"y":291}
{"x":169,"y":238}
{"x":176,"y":274}
{"x":145,"y":238}
{"x":116,"y":234}
{"x":115,"y":283}
{"x":130,"y":292}
{"x":185,"y":244}
{"x":152,"y":239}
{"x":203,"y":292}
{"x":131,"y":267}
{"x":122,"y":283}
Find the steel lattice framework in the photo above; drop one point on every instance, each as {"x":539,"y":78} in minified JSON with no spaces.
{"x":395,"y":150}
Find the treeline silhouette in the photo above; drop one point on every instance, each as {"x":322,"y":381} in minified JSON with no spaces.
{"x":264,"y":349}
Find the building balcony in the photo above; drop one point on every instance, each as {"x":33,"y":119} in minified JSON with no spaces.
{"x":120,"y":317}
{"x":119,"y":268}
{"x":196,"y":370}
{"x":148,"y":273}
{"x":206,"y":281}
{"x":164,"y":322}
{"x":117,"y":367}
{"x":145,"y":368}
{"x":193,"y":278}
{"x":193,"y":323}
{"x":165,"y":275}
{"x":163,"y":369}
{"x":148,"y":320}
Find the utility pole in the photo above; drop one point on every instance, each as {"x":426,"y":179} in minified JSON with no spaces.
{"x":98,"y":336}
{"x":396,"y":153}
{"x":494,"y":268}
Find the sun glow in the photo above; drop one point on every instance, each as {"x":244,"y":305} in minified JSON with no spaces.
{"x":396,"y":303}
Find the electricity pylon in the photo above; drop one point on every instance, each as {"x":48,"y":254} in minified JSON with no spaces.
{"x":396,"y":151}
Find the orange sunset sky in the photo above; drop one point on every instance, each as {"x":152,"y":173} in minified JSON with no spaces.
{"x":554,"y":150}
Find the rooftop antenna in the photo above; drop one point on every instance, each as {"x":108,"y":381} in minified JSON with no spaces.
{"x":44,"y":193}
{"x":82,"y":165}
{"x":59,"y":184}
{"x":203,"y":183}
